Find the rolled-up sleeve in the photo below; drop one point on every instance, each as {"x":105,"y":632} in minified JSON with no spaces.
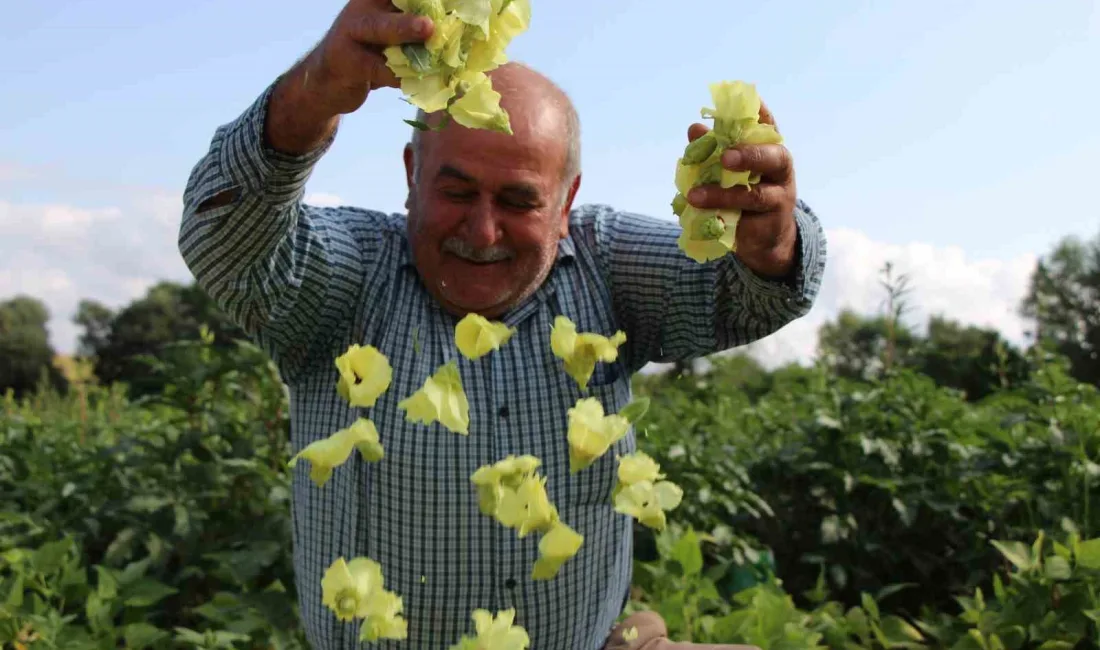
{"x":673,"y":308}
{"x":285,"y":272}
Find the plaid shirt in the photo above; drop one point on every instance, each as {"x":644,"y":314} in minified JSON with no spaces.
{"x":305,"y":282}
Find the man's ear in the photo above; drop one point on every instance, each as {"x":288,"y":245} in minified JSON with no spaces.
{"x":567,"y":205}
{"x":409,"y":157}
{"x":410,"y":165}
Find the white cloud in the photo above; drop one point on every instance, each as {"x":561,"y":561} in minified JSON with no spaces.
{"x":323,"y":199}
{"x":62,"y":254}
{"x":942,"y":280}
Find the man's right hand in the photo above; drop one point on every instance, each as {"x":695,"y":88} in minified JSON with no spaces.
{"x":337,"y":75}
{"x":348,"y":63}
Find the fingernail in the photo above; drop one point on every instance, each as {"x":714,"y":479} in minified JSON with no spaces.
{"x":697,"y":195}
{"x":732,"y":158}
{"x":421,"y":26}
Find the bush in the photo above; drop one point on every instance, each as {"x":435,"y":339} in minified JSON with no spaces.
{"x":818,"y":513}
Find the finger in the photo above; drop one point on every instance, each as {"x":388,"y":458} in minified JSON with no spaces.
{"x":766,"y":116}
{"x":696,"y":131}
{"x":381,"y":75}
{"x":763,"y":197}
{"x":772,"y":161}
{"x":384,"y":29}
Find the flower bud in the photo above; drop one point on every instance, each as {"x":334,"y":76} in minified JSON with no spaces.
{"x":700,"y":149}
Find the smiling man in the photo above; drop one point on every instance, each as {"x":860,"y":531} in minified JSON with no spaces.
{"x":490,"y":228}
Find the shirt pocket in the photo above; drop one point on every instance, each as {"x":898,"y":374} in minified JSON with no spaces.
{"x":593,"y":485}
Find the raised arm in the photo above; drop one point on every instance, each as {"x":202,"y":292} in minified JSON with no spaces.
{"x":285,"y":272}
{"x":673,"y":308}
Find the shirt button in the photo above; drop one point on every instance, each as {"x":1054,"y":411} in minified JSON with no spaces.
{"x":503,"y":411}
{"x":510,"y":583}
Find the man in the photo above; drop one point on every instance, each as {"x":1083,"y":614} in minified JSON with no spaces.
{"x":490,"y":229}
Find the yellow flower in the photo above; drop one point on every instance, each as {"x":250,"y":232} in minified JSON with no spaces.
{"x":733,"y":100}
{"x":441,"y":399}
{"x":527,"y":508}
{"x":708,"y":234}
{"x":581,"y":352}
{"x":494,"y":634}
{"x":430,"y":92}
{"x":711,"y":234}
{"x":447,"y":71}
{"x":492,"y":480}
{"x":591,"y":433}
{"x":647,"y":501}
{"x":476,"y":336}
{"x":687,"y":176}
{"x":488,"y":51}
{"x":630,"y":633}
{"x":383,"y":618}
{"x":365,"y":373}
{"x":555,"y":547}
{"x":324,"y":455}
{"x":478,"y":107}
{"x":637,"y":467}
{"x":346,"y":587}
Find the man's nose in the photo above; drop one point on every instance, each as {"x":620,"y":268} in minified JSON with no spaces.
{"x":482,"y":227}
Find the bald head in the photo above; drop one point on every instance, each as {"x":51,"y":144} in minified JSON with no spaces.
{"x":531,"y":100}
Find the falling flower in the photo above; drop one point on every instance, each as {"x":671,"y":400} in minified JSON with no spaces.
{"x":365,"y":373}
{"x":477,"y":336}
{"x":505,"y":474}
{"x":527,"y":508}
{"x":326,"y":454}
{"x":581,"y":351}
{"x":494,"y":634}
{"x":647,"y":501}
{"x":558,"y":545}
{"x":441,"y":399}
{"x":591,"y":433}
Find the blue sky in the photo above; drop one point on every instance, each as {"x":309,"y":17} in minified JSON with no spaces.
{"x":954,"y":137}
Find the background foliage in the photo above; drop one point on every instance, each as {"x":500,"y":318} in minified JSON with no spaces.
{"x":909,"y":490}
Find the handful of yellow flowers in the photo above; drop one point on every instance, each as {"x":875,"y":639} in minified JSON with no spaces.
{"x":710,"y":234}
{"x":448,"y":70}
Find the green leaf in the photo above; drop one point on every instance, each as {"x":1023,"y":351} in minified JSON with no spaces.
{"x":869,"y":604}
{"x":417,"y":124}
{"x":1015,"y":552}
{"x":1057,"y":568}
{"x":420,"y":59}
{"x":635,"y":410}
{"x":49,"y":557}
{"x":1088,"y":554}
{"x":143,"y":635}
{"x":146,"y":592}
{"x":688,"y":554}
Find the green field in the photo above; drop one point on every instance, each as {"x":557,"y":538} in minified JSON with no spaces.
{"x":820,"y":510}
{"x":911,"y":489}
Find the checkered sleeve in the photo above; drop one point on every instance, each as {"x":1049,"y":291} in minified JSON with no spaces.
{"x":674,"y":308}
{"x":283,"y":271}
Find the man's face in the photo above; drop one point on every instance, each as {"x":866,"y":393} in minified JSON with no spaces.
{"x":487,"y":212}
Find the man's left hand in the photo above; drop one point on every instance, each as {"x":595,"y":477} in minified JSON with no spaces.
{"x":767,"y":232}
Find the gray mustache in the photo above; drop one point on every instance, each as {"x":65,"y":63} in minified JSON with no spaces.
{"x":465,"y":251}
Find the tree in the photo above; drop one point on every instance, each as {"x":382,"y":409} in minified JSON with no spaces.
{"x":1063,"y":303}
{"x":96,"y":319}
{"x":25,"y":346}
{"x":169,"y":312}
{"x":857,"y":347}
{"x":975,"y":360}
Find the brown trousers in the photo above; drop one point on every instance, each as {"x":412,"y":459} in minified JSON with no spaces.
{"x":653,"y":635}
